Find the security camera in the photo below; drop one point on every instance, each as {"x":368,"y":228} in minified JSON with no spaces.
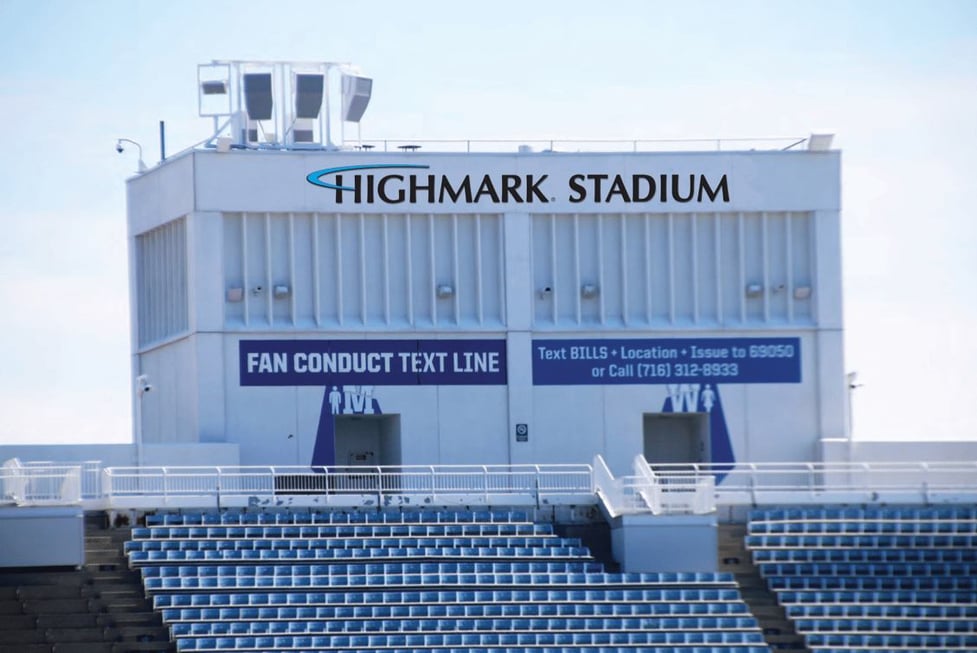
{"x":143,"y":385}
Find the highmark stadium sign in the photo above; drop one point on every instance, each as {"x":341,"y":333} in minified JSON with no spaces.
{"x":406,"y":183}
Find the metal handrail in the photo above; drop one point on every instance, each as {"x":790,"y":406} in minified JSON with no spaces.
{"x":546,"y":145}
{"x":28,"y":483}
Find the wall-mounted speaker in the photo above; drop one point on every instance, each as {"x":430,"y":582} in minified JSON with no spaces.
{"x":356,"y":96}
{"x":257,"y":95}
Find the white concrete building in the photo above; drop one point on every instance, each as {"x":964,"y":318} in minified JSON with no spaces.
{"x":340,"y":305}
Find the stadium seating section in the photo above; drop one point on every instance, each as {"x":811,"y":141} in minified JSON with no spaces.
{"x":418,"y":581}
{"x":872,"y":578}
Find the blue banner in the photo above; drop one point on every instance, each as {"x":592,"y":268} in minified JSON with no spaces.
{"x":666,"y":360}
{"x":372,"y":362}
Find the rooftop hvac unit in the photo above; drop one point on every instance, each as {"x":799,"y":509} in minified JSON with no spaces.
{"x":356,"y":96}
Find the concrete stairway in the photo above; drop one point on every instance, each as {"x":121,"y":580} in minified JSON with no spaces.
{"x":100,"y":608}
{"x":778,"y":631}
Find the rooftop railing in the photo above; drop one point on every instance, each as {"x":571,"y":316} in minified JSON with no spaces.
{"x":579,"y":145}
{"x":551,"y":145}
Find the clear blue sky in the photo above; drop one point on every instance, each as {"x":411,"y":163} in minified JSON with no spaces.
{"x":897,"y":81}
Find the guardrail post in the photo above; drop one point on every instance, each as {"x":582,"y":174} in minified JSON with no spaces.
{"x":106,"y":489}
{"x":926,"y":484}
{"x":379,"y":487}
{"x":536,"y":488}
{"x":218,"y":489}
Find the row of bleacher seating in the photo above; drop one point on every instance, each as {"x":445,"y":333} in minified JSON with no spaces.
{"x":918,"y":626}
{"x":873,"y":583}
{"x":314,"y":517}
{"x":454,"y":610}
{"x":872,"y":578}
{"x":865,"y":555}
{"x":860,"y":541}
{"x":871,"y":597}
{"x":869,"y":569}
{"x":887,"y":610}
{"x":138,"y":558}
{"x":341,"y":530}
{"x":495,"y":579}
{"x":575,"y":595}
{"x":861,"y":513}
{"x":830,"y":527}
{"x":907,"y":642}
{"x":211,"y":645}
{"x":343,"y":569}
{"x":396,"y":640}
{"x":456,"y":624}
{"x":470,"y":588}
{"x":342,"y":543}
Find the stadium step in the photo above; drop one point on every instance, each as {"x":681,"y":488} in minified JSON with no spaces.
{"x":137,"y":627}
{"x":100,"y":608}
{"x":778,"y":631}
{"x":25,"y":648}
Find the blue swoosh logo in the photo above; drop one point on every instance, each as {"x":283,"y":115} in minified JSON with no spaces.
{"x":315,"y":178}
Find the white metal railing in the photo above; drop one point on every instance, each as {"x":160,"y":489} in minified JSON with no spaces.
{"x":656,"y":489}
{"x":224,"y":486}
{"x":90,"y":474}
{"x":647,"y":492}
{"x":812,"y":483}
{"x":687,"y":492}
{"x":36,"y":484}
{"x":606,"y":487}
{"x":649,"y":484}
{"x":566,"y":145}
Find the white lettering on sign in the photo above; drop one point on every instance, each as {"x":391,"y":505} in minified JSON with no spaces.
{"x":267,"y":363}
{"x":479,"y":361}
{"x":342,"y":362}
{"x":423,"y":362}
{"x":685,"y":397}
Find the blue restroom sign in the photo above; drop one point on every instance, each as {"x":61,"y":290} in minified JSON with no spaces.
{"x":666,"y":361}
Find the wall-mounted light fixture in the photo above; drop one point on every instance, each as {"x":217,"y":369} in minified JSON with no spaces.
{"x":589,"y":290}
{"x":445,"y":290}
{"x":754,"y":289}
{"x":819,"y":142}
{"x":545,"y":292}
{"x":213,"y":87}
{"x":802,"y":292}
{"x":281,"y":291}
{"x":235,"y":294}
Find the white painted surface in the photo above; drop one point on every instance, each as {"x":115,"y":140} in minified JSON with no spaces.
{"x":367,"y":271}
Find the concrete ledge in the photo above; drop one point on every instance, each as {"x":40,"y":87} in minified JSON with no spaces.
{"x":648,"y":542}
